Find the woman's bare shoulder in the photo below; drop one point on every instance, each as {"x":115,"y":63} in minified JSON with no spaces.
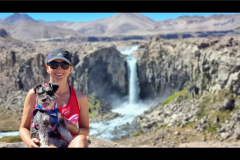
{"x":80,"y":95}
{"x":82,"y":99}
{"x":32,"y":93}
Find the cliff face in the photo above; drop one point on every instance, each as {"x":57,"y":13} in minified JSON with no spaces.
{"x":96,"y":69}
{"x":102,"y":70}
{"x":165,"y":66}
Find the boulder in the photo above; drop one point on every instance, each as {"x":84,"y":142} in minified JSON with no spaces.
{"x":93,"y":143}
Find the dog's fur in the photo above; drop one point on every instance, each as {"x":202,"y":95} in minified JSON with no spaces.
{"x":45,"y":94}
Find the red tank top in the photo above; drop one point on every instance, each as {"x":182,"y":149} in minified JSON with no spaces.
{"x":71,"y":108}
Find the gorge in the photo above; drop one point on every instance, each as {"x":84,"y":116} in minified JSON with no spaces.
{"x":182,"y":84}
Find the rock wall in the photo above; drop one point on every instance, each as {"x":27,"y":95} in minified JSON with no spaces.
{"x":165,"y":66}
{"x":102,"y":70}
{"x":99,"y":69}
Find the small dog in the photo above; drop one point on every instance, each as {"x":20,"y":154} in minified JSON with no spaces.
{"x":47,"y":124}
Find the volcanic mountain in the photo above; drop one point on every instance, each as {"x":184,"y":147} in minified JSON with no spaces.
{"x":16,"y":17}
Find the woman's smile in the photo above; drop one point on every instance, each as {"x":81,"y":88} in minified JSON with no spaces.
{"x":59,"y":74}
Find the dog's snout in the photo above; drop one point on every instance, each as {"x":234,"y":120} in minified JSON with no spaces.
{"x":44,"y":100}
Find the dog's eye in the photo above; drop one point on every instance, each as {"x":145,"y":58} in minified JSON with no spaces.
{"x":50,"y":92}
{"x":40,"y":92}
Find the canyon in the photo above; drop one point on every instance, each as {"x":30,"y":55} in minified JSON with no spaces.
{"x":194,"y":84}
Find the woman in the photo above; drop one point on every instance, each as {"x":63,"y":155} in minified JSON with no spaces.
{"x":59,"y":66}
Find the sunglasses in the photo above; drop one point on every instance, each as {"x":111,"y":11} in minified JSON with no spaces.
{"x":54,"y":65}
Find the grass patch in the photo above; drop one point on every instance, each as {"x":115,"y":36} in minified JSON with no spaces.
{"x":206,"y":107}
{"x":9,"y":120}
{"x":197,"y":76}
{"x":204,"y":86}
{"x":175,"y":95}
{"x":137,"y":133}
{"x":206,"y":75}
{"x":203,"y":104}
{"x":11,"y":139}
{"x":94,"y":104}
{"x":191,"y":124}
{"x":223,"y":116}
{"x":162,"y":126}
{"x":93,"y":107}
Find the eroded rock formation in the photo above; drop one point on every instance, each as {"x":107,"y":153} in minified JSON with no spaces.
{"x":165,"y":66}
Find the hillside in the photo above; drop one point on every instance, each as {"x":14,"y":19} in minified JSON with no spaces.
{"x":29,"y":30}
{"x":138,"y":24}
{"x":123,"y":26}
{"x":16,"y":17}
{"x":5,"y":36}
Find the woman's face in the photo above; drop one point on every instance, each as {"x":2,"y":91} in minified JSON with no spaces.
{"x":58,"y":75}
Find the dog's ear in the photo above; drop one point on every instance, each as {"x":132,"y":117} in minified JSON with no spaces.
{"x":36,"y":88}
{"x":54,"y":86}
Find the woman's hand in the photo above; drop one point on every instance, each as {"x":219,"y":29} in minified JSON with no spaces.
{"x":71,"y":127}
{"x":33,"y":143}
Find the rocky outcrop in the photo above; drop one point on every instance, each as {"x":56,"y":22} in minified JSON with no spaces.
{"x":174,"y":114}
{"x":92,"y":141}
{"x":3,"y":33}
{"x":102,"y":70}
{"x":165,"y":66}
{"x":5,"y":36}
{"x":231,"y":129}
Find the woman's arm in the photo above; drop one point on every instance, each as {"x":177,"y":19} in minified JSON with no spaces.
{"x":24,"y":130}
{"x":83,"y":120}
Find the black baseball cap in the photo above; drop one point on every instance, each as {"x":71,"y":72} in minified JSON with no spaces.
{"x":59,"y":54}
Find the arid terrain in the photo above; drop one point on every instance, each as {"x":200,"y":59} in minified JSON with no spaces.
{"x":202,"y":104}
{"x":120,"y":27}
{"x":194,"y":82}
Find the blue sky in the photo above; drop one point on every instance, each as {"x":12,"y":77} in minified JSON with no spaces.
{"x":83,"y":17}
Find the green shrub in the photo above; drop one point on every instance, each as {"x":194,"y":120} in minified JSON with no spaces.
{"x":205,"y":102}
{"x":137,"y":133}
{"x":163,"y":126}
{"x":175,"y":95}
{"x":223,"y":116}
{"x":197,"y":76}
{"x":93,"y":108}
{"x":206,"y":75}
{"x":204,"y":86}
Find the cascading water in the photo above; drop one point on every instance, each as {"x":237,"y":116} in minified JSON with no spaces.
{"x":133,"y":80}
{"x":129,"y":109}
{"x":132,"y":74}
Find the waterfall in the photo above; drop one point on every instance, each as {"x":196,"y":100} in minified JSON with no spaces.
{"x":133,"y":79}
